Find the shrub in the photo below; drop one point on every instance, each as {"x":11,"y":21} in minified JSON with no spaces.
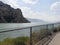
{"x":49,"y":33}
{"x":59,"y":29}
{"x":55,"y":30}
{"x":7,"y":41}
{"x":14,"y":41}
{"x":20,"y":40}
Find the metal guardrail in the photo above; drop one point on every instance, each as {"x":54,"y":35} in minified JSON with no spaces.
{"x":31,"y":30}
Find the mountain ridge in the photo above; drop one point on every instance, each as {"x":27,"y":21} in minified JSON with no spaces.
{"x":36,"y":20}
{"x":11,"y":15}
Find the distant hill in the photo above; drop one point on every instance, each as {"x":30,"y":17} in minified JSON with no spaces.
{"x":11,"y":15}
{"x":36,"y":20}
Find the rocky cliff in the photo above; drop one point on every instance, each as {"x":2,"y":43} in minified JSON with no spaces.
{"x":11,"y":15}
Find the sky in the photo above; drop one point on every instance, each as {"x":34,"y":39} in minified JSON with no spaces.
{"x":46,"y":10}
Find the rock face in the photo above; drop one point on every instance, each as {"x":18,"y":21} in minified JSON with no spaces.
{"x":11,"y":15}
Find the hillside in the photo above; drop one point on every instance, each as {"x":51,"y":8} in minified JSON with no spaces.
{"x":11,"y":15}
{"x":37,"y":20}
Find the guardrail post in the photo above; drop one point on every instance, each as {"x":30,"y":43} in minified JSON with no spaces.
{"x":52,"y":27}
{"x":30,"y":35}
{"x":47,"y":29}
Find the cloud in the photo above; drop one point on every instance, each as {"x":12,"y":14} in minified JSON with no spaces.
{"x":29,"y":13}
{"x":30,"y":1}
{"x":12,"y":3}
{"x":55,"y":8}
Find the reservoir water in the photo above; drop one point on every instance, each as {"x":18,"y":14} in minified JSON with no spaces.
{"x":17,"y":33}
{"x":13,"y":34}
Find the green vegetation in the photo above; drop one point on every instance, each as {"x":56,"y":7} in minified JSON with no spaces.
{"x":37,"y":36}
{"x":58,"y":28}
{"x":15,"y":41}
{"x":55,"y":30}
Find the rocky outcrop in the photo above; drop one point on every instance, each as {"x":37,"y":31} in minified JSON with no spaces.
{"x":11,"y":15}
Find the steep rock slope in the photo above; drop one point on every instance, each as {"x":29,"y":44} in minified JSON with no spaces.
{"x":11,"y":15}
